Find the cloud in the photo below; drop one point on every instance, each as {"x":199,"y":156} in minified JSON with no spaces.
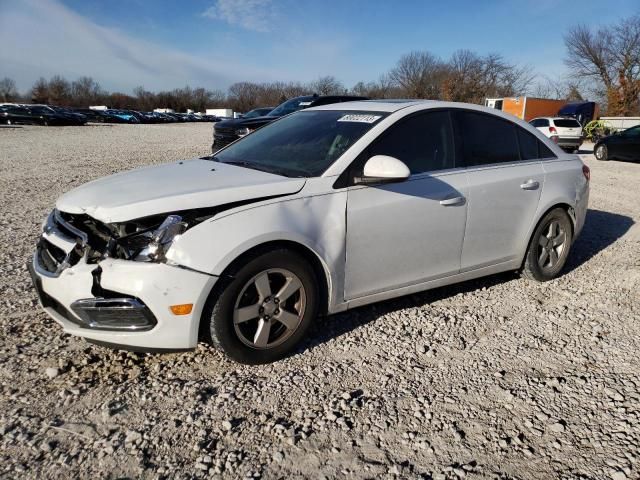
{"x":256,"y":15}
{"x":59,"y":41}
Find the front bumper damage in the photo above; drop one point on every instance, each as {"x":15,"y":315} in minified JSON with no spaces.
{"x":123,"y":303}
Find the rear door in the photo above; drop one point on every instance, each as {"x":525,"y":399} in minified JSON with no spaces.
{"x":505,"y":181}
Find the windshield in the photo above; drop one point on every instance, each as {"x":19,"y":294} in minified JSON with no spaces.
{"x":291,"y":106}
{"x":258,"y":112}
{"x":41,"y":110}
{"x":301,"y":145}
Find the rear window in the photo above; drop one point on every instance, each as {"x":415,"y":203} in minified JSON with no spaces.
{"x":567,"y":123}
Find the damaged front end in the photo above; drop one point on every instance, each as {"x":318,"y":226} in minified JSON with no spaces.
{"x":68,"y":238}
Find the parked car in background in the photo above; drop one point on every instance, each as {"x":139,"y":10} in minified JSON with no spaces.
{"x":95,"y":116}
{"x":121,"y":116}
{"x":323,"y":210}
{"x":9,"y":114}
{"x":37,"y":115}
{"x":82,"y":119}
{"x":624,"y":145}
{"x":257,"y":112}
{"x":565,"y":132}
{"x":228,"y":131}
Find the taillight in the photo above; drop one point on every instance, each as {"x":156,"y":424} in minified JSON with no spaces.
{"x":553,"y":130}
{"x":586,"y":171}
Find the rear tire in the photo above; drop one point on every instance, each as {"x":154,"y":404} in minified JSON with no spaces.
{"x":601,"y":153}
{"x":549,"y":247}
{"x":263,"y":308}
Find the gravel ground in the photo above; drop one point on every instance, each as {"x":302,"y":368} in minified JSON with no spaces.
{"x":495,"y":378}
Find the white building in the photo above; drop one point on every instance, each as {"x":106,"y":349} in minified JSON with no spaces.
{"x":220,"y":112}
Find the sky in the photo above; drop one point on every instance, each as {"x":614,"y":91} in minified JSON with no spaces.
{"x":163,"y":44}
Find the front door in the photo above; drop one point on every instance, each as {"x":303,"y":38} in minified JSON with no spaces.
{"x":409,"y":232}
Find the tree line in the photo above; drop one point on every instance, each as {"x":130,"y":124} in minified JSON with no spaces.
{"x":604,"y":64}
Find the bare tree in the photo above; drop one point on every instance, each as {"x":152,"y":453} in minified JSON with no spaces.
{"x":40,"y":91}
{"x":472,"y":78}
{"x":420,"y":74}
{"x":85,"y":91}
{"x":610,"y":58}
{"x":243,"y":96}
{"x":8,"y":90}
{"x":59,"y":90}
{"x":327,"y":85}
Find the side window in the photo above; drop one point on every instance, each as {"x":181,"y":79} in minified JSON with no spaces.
{"x":543,"y":122}
{"x":544,"y":151}
{"x":528,"y":145}
{"x":424,"y":142}
{"x":487,"y":139}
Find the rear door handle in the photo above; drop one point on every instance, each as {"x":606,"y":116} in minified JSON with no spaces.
{"x":530,"y":185}
{"x":452,"y":202}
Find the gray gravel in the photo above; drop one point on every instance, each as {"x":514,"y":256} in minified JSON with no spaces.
{"x":495,"y":378}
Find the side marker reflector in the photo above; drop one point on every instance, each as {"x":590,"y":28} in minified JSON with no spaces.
{"x":183,"y":309}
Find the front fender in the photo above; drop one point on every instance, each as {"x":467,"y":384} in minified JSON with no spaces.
{"x":315,"y":222}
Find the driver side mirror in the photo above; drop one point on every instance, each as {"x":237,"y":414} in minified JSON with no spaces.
{"x":383,"y":169}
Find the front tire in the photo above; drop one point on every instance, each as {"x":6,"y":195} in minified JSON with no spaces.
{"x":264,"y":308}
{"x":601,"y":153}
{"x":549,"y":247}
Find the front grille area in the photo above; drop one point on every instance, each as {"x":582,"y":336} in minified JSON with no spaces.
{"x":49,"y":256}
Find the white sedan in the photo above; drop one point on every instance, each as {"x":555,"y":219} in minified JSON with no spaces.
{"x":322,"y":211}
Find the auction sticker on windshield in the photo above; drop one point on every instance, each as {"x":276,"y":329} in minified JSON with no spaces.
{"x":359,"y":118}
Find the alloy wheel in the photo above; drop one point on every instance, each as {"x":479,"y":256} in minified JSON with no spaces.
{"x":551,"y":244}
{"x":269,"y":308}
{"x":600,"y":152}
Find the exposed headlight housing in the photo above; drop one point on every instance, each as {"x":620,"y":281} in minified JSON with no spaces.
{"x":161,"y":239}
{"x":241,"y":132}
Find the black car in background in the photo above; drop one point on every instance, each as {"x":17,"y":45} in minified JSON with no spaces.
{"x":36,"y":115}
{"x":624,"y":145}
{"x":82,"y":119}
{"x":228,"y":131}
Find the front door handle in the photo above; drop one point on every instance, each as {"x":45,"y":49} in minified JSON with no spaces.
{"x":530,"y":185}
{"x":452,"y":202}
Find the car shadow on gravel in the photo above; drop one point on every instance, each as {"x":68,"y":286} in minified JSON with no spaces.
{"x":600,"y":231}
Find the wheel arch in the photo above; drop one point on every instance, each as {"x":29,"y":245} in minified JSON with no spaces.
{"x":569,"y":210}
{"x":320,"y":269}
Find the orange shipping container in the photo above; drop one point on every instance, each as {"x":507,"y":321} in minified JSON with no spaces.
{"x":527,"y":108}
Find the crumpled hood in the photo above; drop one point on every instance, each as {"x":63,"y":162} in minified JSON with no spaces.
{"x":173,"y":187}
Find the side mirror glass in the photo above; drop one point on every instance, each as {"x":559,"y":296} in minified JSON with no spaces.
{"x":383,"y":169}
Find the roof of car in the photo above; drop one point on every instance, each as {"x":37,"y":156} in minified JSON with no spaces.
{"x":553,"y":118}
{"x":373,"y":105}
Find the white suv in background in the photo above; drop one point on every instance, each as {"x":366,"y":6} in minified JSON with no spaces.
{"x":565,"y":132}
